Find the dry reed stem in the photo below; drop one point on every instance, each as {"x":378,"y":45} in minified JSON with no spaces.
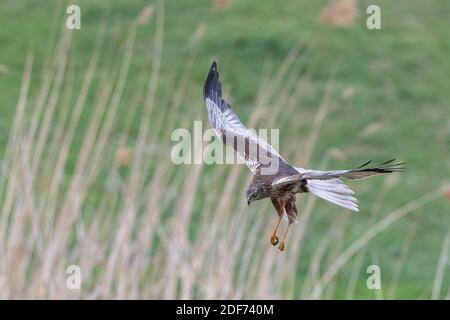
{"x":137,"y":228}
{"x":440,"y":269}
{"x":370,"y":233}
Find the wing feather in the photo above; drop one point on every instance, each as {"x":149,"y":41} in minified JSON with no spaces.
{"x":362,"y":172}
{"x":254,"y":150}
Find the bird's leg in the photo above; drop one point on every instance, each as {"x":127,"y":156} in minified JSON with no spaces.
{"x":283,"y":243}
{"x":274,"y":238}
{"x":279,"y":206}
{"x":291,"y":211}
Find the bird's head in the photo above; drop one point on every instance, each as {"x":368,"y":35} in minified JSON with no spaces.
{"x":253,"y":193}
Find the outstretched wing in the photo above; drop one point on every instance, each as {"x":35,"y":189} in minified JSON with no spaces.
{"x":254,"y":150}
{"x":361,"y":172}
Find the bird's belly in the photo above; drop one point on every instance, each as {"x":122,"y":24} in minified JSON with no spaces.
{"x":290,"y":189}
{"x":298,"y":188}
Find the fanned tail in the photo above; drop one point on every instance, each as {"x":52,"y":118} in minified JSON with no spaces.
{"x":334,"y":191}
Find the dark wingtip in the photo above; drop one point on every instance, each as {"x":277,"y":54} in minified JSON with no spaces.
{"x":211,"y":87}
{"x":385,"y":167}
{"x":213,"y":66}
{"x":365,"y":164}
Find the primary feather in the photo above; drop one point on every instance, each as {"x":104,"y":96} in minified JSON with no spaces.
{"x":229,"y":128}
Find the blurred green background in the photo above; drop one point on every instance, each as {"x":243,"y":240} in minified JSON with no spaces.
{"x":390,"y":96}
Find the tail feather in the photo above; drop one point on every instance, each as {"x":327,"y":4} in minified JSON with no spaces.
{"x":334,"y":191}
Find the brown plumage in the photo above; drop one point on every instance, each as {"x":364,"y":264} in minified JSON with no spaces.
{"x":274,"y":177}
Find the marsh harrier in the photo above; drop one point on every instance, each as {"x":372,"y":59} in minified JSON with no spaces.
{"x":274,"y":177}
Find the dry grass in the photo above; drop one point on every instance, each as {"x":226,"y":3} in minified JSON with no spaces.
{"x":147,"y":235}
{"x":340,"y":13}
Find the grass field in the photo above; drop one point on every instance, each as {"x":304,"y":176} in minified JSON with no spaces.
{"x":86,"y":171}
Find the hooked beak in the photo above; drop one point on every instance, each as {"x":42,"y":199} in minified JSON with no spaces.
{"x":248,"y":202}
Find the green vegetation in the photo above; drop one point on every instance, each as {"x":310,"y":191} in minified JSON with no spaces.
{"x":388,"y":97}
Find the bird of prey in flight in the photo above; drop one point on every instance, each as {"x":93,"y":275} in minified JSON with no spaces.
{"x":274,"y":177}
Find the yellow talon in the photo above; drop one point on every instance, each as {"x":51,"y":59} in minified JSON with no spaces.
{"x":274,"y":240}
{"x":282,"y":244}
